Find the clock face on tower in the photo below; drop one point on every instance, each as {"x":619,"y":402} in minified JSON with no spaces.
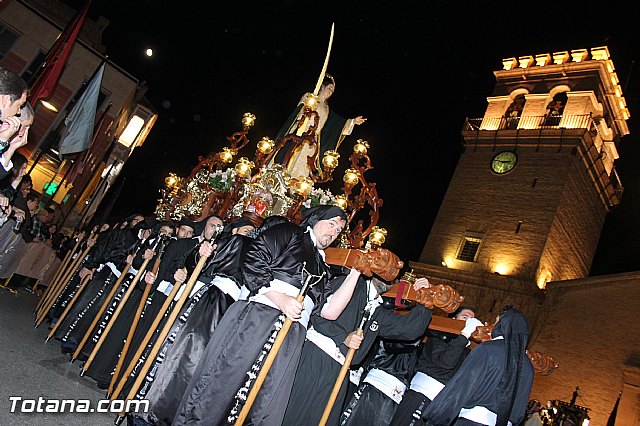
{"x":503,"y":162}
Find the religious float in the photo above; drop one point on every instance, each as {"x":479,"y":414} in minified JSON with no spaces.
{"x":290,"y":173}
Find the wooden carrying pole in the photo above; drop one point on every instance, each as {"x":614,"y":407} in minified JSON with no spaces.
{"x":134,"y":324}
{"x":103,"y":308}
{"x":66,"y":277}
{"x":114,"y":317}
{"x":56,"y":285}
{"x":266,"y":366}
{"x":83,"y":284}
{"x":343,"y":373}
{"x":165,"y":331}
{"x":161,"y":337}
{"x":59,"y":282}
{"x":53,"y":285}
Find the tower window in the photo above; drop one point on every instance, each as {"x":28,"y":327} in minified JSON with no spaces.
{"x":513,"y":113}
{"x":469,"y":249}
{"x":555,"y":109}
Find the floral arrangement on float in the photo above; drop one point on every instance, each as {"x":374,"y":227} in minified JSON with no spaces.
{"x":319,"y":196}
{"x":222,"y":180}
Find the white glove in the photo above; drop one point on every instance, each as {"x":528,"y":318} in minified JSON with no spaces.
{"x":470,"y":326}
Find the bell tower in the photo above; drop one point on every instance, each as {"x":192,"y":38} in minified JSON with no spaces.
{"x":537,"y":177}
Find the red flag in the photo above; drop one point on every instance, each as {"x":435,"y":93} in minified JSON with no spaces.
{"x":57,"y":58}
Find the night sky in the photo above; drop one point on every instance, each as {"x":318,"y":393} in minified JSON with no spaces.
{"x":414,"y":69}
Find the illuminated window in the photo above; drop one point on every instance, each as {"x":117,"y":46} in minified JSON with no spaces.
{"x":132,"y":131}
{"x":469,"y":249}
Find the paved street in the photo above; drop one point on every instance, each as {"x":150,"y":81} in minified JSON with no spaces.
{"x":31,"y":368}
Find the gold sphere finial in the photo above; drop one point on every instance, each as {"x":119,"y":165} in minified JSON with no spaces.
{"x":248,"y":120}
{"x":244,"y":166}
{"x":361,"y":147}
{"x":266,"y":145}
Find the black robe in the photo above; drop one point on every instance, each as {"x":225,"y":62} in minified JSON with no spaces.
{"x":397,"y":358}
{"x":181,"y":352}
{"x":70,"y":287}
{"x":440,"y":358}
{"x":102,"y":367}
{"x":224,"y":376}
{"x":318,"y":371}
{"x":172,"y":260}
{"x":111,"y":247}
{"x":474,"y":384}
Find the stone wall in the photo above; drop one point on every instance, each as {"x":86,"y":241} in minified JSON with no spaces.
{"x":590,"y":329}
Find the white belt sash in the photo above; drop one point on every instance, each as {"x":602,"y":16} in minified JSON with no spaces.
{"x":197,"y":286}
{"x":244,"y":293}
{"x":426,"y":385}
{"x":113,"y":268}
{"x":289,"y":290}
{"x":326,"y":344}
{"x":227,"y":286}
{"x":387,"y":384}
{"x":165,"y":287}
{"x":480,"y":414}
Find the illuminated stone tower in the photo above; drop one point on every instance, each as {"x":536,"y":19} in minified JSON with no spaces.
{"x":536,"y":179}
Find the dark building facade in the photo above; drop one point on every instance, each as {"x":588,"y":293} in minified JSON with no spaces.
{"x":28,"y":30}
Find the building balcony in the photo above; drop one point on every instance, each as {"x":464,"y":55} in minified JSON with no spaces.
{"x":532,"y":122}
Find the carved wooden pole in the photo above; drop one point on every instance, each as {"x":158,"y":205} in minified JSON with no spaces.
{"x":161,"y":337}
{"x":115,"y":315}
{"x":53,"y":285}
{"x":83,"y":284}
{"x":66,"y":276}
{"x":136,"y":319}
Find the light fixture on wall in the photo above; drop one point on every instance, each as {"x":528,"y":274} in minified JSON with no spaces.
{"x":48,"y":105}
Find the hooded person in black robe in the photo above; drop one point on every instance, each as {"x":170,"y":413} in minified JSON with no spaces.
{"x":181,"y":352}
{"x":104,"y":265}
{"x":493,"y":384}
{"x":327,"y":344}
{"x":439,"y":359}
{"x":176,"y":266}
{"x":69,"y":289}
{"x":387,"y":370}
{"x":276,"y":265}
{"x":106,"y":358}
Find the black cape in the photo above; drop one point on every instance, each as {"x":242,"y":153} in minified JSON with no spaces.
{"x":317,"y":371}
{"x":475,"y":382}
{"x":221,"y":376}
{"x":182,"y":350}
